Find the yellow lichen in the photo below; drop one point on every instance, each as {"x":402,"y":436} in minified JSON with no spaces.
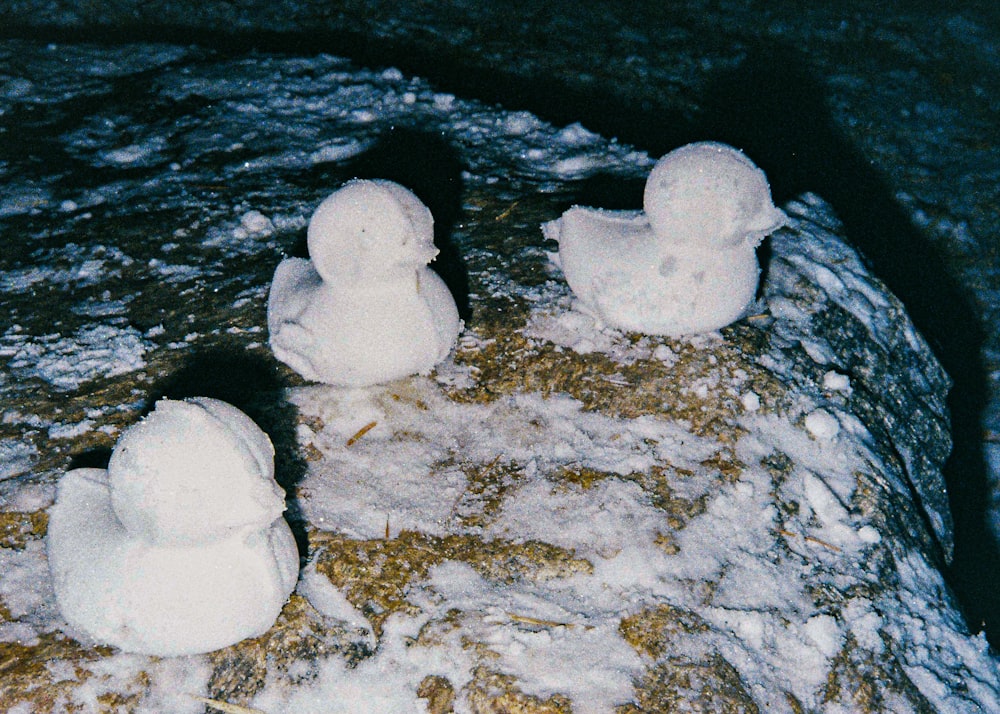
{"x":685,"y":685}
{"x":494,"y":693}
{"x":17,"y":528}
{"x":300,"y":635}
{"x":438,"y":693}
{"x":376,"y":574}
{"x":652,"y":631}
{"x":26,"y":673}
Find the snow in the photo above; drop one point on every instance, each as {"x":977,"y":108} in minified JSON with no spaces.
{"x":179,"y":547}
{"x":360,"y":486}
{"x":84,"y":266}
{"x":382,"y":685}
{"x":750,"y":401}
{"x":539,"y":655}
{"x":398,"y":478}
{"x":365,"y":308}
{"x":687,"y":262}
{"x":837,"y":382}
{"x":297,"y":113}
{"x":330,"y":601}
{"x":192,"y":469}
{"x":16,"y":457}
{"x":355,"y":489}
{"x":822,"y":424}
{"x":711,"y":194}
{"x":67,"y":362}
{"x":25,"y":588}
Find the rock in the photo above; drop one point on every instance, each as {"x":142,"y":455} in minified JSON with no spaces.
{"x":771,"y":558}
{"x":568,"y":497}
{"x":561,"y":518}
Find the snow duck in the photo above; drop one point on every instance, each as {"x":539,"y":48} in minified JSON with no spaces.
{"x":365,"y":308}
{"x":684,"y":264}
{"x":179,"y":546}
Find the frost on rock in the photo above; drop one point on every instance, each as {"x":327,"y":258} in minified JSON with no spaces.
{"x":851,"y":331}
{"x":563,"y":516}
{"x":67,"y":362}
{"x":630,"y":516}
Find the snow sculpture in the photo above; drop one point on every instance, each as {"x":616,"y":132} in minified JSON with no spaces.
{"x":179,"y":547}
{"x":366,"y":308}
{"x":687,"y":262}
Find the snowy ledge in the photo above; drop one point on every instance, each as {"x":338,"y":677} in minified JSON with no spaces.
{"x":563,"y":518}
{"x":568,"y":518}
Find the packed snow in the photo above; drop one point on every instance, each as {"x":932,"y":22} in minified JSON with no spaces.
{"x":179,"y":547}
{"x":365,"y":308}
{"x":685,"y":264}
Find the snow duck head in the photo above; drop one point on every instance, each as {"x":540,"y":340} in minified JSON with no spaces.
{"x":193,"y":471}
{"x":370,"y":229}
{"x":710,"y":194}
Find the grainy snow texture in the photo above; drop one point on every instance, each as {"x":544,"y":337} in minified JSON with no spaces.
{"x":179,"y":546}
{"x":364,"y":308}
{"x":562,"y":516}
{"x":687,"y":262}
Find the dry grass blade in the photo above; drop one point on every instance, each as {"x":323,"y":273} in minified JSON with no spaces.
{"x":817,"y":541}
{"x":361,"y":432}
{"x":537,"y":622}
{"x":505,"y":214}
{"x":811,"y":539}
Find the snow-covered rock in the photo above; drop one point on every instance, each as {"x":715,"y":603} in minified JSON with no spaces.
{"x":563,"y":517}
